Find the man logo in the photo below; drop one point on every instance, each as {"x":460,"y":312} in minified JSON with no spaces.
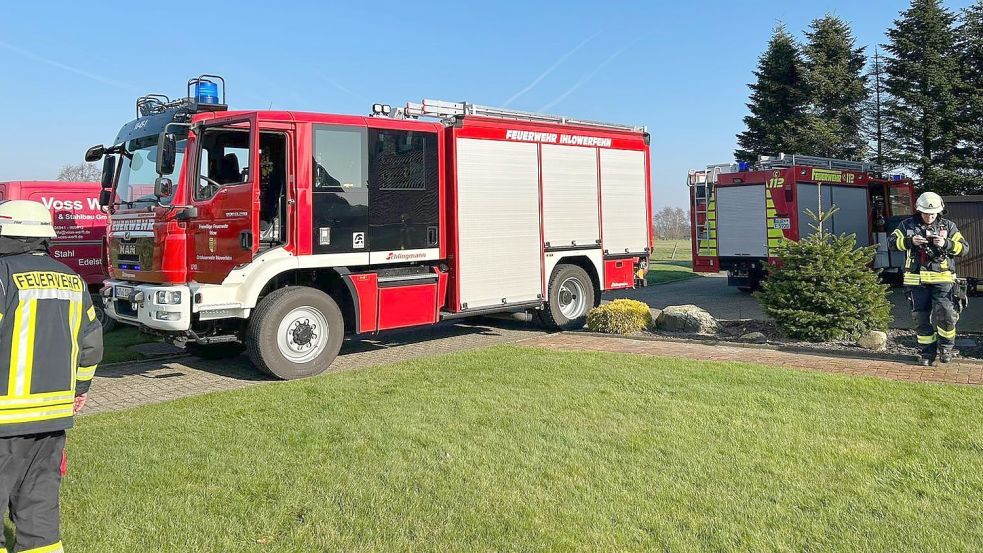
{"x":358,"y":240}
{"x":212,"y":244}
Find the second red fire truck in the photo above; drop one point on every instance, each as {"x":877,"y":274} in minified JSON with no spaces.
{"x":740,"y":212}
{"x":280,"y":232}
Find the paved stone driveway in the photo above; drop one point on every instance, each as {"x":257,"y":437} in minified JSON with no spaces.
{"x":132,"y":384}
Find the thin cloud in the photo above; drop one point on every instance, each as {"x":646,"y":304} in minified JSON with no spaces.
{"x":339,"y":86}
{"x":549,"y":70}
{"x":587,"y":77}
{"x":69,"y":68}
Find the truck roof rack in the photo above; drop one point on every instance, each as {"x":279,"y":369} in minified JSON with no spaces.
{"x":441,"y":109}
{"x":784,"y":160}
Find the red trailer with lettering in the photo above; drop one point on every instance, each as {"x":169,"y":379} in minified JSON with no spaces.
{"x":741,"y":212}
{"x":79,"y":223}
{"x":279,"y":232}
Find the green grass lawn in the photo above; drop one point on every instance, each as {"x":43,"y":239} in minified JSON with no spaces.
{"x":118,"y":341}
{"x":670,"y":271}
{"x":525,"y":450}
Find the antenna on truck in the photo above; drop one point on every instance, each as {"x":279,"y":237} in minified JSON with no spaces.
{"x":441,"y":109}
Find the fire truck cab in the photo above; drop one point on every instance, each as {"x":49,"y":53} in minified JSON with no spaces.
{"x":279,"y":232}
{"x":740,"y":212}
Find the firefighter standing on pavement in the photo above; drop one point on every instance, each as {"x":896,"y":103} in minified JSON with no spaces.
{"x":50,"y":342}
{"x":931,"y":244}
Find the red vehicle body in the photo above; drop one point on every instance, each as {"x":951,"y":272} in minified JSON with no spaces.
{"x":79,"y":222}
{"x":740,"y":213}
{"x":400,"y":222}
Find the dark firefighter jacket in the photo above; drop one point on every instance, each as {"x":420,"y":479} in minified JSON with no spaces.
{"x":50,"y":343}
{"x":929,"y":264}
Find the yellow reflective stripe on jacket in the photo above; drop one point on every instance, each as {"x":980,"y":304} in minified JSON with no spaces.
{"x":899,"y":240}
{"x":32,"y":414}
{"x":931,"y":277}
{"x":7,"y":402}
{"x":912,"y":279}
{"x":957,"y":243}
{"x":85,"y":373}
{"x":22,"y":348}
{"x":53,"y":548}
{"x":926,"y":340}
{"x":947,"y":334}
{"x":75,"y":323}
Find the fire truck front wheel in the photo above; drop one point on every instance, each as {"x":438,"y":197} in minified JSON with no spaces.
{"x":295,"y":332}
{"x":570,"y":296}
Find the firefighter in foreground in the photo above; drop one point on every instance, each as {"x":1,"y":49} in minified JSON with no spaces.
{"x":931,"y":244}
{"x":50,"y":342}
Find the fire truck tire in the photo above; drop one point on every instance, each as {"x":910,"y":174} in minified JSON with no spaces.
{"x":108,"y":323}
{"x":222,"y":350}
{"x":295,"y":332}
{"x":570,"y":296}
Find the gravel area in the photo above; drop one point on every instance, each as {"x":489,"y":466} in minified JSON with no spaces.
{"x":901,"y":342}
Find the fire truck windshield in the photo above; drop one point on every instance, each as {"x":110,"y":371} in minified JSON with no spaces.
{"x":137,"y":176}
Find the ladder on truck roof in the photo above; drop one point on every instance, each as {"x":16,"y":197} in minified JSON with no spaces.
{"x":442,"y":109}
{"x":784,"y":160}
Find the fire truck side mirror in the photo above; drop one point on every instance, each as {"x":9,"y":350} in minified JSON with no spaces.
{"x":95,"y":153}
{"x":166,"y":153}
{"x":108,"y":172}
{"x":163,"y":187}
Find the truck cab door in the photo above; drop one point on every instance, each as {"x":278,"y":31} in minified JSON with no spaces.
{"x":223,"y":186}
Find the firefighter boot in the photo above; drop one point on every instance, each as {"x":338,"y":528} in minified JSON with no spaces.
{"x":945,"y":356}
{"x":925,"y":361}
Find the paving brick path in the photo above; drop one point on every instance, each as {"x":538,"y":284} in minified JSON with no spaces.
{"x":127,"y":385}
{"x":959,"y":372}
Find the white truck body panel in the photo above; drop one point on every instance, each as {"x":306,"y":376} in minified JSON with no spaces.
{"x":624,"y":201}
{"x":570,"y":196}
{"x":742,"y":229}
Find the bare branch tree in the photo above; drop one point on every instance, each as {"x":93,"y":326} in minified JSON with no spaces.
{"x":80,"y":172}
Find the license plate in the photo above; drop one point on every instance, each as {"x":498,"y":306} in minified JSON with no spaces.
{"x":124,"y":292}
{"x":128,"y":249}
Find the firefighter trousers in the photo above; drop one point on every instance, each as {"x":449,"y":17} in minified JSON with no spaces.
{"x":30,"y":475}
{"x":935,"y":316}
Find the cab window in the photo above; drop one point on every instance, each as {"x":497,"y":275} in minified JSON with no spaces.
{"x":223,"y":161}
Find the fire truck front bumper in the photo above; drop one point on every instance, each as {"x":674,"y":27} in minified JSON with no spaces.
{"x":157,"y":306}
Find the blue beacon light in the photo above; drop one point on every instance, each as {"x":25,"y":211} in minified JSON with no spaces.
{"x":206,"y":92}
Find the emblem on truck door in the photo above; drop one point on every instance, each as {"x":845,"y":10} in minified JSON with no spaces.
{"x":212,"y":244}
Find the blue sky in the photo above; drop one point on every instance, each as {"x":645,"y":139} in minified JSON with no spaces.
{"x":71,"y":71}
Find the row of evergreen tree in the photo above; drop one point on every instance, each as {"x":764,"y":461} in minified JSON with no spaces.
{"x":918,"y":106}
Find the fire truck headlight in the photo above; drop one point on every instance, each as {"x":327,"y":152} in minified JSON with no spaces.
{"x":164,"y":297}
{"x":167,"y":315}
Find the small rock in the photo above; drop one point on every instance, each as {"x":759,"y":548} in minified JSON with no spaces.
{"x":754,"y":337}
{"x":874,"y":340}
{"x":686,"y":318}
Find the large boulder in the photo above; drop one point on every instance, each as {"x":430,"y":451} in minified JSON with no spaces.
{"x":875,"y":340}
{"x":686,"y":318}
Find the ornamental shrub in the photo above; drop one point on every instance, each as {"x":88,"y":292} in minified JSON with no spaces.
{"x":824,"y":288}
{"x":621,"y":316}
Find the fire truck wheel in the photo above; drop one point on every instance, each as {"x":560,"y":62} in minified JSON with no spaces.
{"x":295,"y":332}
{"x":108,"y":323}
{"x":571,"y":296}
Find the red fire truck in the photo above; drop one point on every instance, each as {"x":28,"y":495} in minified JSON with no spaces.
{"x":740,"y":212}
{"x":79,"y":223}
{"x":280,"y":231}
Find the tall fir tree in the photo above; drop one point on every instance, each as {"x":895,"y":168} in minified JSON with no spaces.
{"x":873,"y":126}
{"x":970,"y":151}
{"x":834,"y":74}
{"x":778,"y":101}
{"x":922,"y":81}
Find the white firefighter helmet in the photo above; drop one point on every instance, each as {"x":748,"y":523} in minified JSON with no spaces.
{"x":25,"y":218}
{"x":930,"y":202}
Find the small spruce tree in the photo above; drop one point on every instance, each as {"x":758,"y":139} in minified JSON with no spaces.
{"x":824,"y":288}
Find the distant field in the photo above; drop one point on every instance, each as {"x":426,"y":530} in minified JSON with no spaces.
{"x":662,"y":250}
